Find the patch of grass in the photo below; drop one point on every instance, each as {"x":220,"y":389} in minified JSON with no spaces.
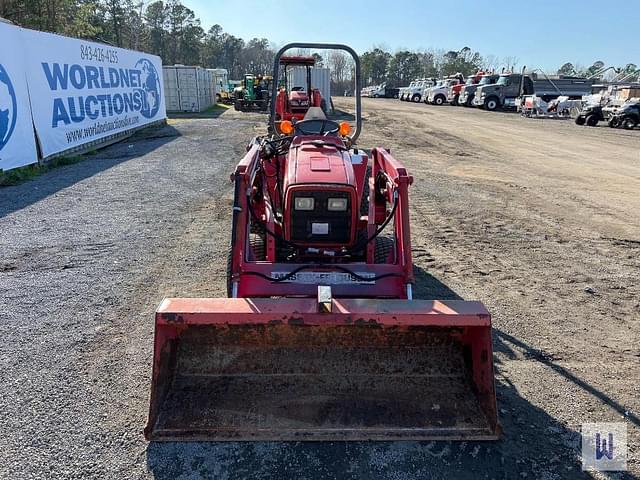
{"x":211,"y":112}
{"x":28,"y":172}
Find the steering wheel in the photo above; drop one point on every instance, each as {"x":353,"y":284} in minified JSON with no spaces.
{"x":323,"y":127}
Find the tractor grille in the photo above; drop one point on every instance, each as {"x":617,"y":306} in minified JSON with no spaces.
{"x":339,"y":223}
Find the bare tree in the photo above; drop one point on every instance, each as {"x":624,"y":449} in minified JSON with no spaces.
{"x":338,"y":65}
{"x":510,"y":62}
{"x":490,"y":63}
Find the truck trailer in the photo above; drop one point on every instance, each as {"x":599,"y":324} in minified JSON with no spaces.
{"x":511,"y":86}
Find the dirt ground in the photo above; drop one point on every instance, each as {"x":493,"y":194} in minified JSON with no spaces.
{"x":539,"y":219}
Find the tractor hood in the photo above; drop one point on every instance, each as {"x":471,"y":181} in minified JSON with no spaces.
{"x":312,"y":164}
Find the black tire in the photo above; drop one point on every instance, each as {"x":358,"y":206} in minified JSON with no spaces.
{"x":613,"y":122}
{"x":416,"y":98}
{"x":580,"y":120}
{"x":469,"y":102}
{"x":384,"y":246}
{"x":454,"y":102}
{"x":629,"y":123}
{"x":591,"y":120}
{"x":491,"y":104}
{"x":439,"y":100}
{"x":236,"y":106}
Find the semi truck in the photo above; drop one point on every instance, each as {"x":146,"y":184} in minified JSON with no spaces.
{"x":468,"y":92}
{"x":437,"y":95}
{"x":511,"y":86}
{"x":415,"y":91}
{"x":382,"y":91}
{"x":453,"y":96}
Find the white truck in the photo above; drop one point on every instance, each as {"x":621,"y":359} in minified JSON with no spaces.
{"x":415,"y":91}
{"x":403,"y":90}
{"x":382,"y":91}
{"x":438,"y":94}
{"x":433,"y":84}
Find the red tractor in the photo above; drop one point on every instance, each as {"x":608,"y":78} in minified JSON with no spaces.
{"x":320,"y":337}
{"x":294,"y":100}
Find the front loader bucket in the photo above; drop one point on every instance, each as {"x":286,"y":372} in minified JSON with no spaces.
{"x":279,"y":369}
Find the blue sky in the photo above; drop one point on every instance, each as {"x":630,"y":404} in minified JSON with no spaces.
{"x":577,"y":31}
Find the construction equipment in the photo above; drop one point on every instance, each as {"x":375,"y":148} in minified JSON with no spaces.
{"x":293,"y":101}
{"x":253,"y":94}
{"x":320,"y":338}
{"x":562,"y":107}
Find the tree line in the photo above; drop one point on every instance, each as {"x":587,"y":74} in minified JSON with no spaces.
{"x":174,"y":32}
{"x":165,"y":28}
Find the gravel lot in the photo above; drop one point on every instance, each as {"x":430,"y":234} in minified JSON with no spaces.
{"x":537,"y":218}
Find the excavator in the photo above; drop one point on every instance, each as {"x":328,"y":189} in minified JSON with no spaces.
{"x":320,"y":337}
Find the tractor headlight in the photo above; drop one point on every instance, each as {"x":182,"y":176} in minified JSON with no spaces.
{"x":337,"y":204}
{"x":304,"y":203}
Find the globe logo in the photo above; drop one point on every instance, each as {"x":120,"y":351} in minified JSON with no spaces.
{"x":150,"y":86}
{"x":8,"y":108}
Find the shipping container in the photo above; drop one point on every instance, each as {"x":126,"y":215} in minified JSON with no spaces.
{"x":171,"y":93}
{"x":188,"y":88}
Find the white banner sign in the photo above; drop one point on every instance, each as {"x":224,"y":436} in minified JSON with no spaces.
{"x":83,"y":91}
{"x":17,"y":143}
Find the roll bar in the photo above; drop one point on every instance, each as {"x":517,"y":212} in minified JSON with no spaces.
{"x":317,"y":46}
